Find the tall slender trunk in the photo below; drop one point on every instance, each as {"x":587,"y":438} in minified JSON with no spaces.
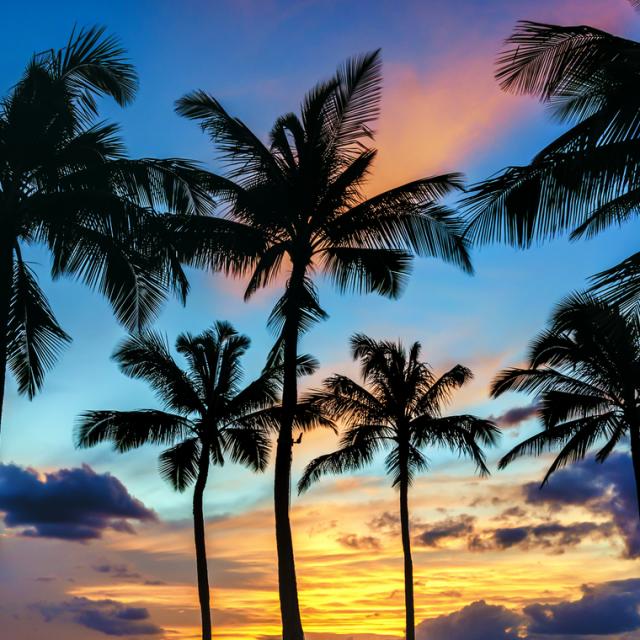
{"x":6,"y":277}
{"x":635,"y":458}
{"x":406,"y":550}
{"x":200,"y":544}
{"x":287,"y":583}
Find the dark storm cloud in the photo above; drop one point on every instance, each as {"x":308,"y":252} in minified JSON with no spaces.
{"x":477,"y":621}
{"x":70,"y":504}
{"x":606,"y":489}
{"x":451,"y":528}
{"x":105,"y":616}
{"x":353,"y":541}
{"x":605,"y":609}
{"x":515,"y":416}
{"x":550,"y":534}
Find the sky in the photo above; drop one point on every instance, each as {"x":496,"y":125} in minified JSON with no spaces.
{"x":94,"y":544}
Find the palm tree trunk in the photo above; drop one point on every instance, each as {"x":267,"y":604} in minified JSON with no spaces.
{"x":287,"y":583}
{"x":635,"y":458}
{"x":408,"y":562}
{"x":201,"y":550}
{"x":6,"y":276}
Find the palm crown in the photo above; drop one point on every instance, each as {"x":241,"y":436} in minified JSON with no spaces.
{"x":588,"y":178}
{"x":66,"y":183}
{"x":207,"y":408}
{"x":298,"y":202}
{"x":585,"y":369}
{"x":399,"y":409}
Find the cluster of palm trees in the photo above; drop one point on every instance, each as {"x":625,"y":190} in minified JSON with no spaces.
{"x":295,"y":205}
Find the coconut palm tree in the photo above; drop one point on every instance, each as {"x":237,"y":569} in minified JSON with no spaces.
{"x":585,"y":368}
{"x":66,"y":184}
{"x":399,"y":410}
{"x":209,"y":416}
{"x":296,"y":206}
{"x":587,"y":179}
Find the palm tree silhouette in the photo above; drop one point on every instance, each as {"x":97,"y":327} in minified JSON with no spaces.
{"x":588,"y":178}
{"x":399,"y":409}
{"x":297,"y":206}
{"x":209,"y":415}
{"x":585,"y":369}
{"x":67,"y":184}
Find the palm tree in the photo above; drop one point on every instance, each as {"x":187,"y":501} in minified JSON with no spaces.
{"x":67,"y":184}
{"x":296,"y":206}
{"x":586,"y":370}
{"x":209,"y":415}
{"x":589,"y":177}
{"x":399,"y":410}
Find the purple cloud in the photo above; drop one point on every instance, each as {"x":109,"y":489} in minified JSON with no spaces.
{"x":69,"y":504}
{"x":550,"y":534}
{"x":605,"y":609}
{"x":603,"y":489}
{"x":353,"y":541}
{"x":457,"y":527}
{"x":105,"y":616}
{"x":515,"y":416}
{"x":477,"y":621}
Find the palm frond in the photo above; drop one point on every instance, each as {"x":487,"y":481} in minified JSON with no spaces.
{"x":405,"y":467}
{"x":462,"y":433}
{"x":247,"y":446}
{"x":356,"y":100}
{"x":344,"y":398}
{"x":93,"y":64}
{"x":34,"y":336}
{"x":365,"y":270}
{"x":131,"y":279}
{"x":548,"y":439}
{"x":620,"y":285}
{"x":406,"y":218}
{"x":589,"y":430}
{"x":179,"y":464}
{"x":441,"y":390}
{"x":248,"y":159}
{"x":302,"y":303}
{"x":543,"y":59}
{"x":209,"y":242}
{"x":561,"y":406}
{"x":146,"y":356}
{"x":347,"y":458}
{"x":309,"y":415}
{"x":127,"y":430}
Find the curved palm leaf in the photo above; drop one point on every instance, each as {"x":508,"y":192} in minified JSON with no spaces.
{"x":179,"y":464}
{"x":34,"y":337}
{"x":584,"y":370}
{"x":130,"y":429}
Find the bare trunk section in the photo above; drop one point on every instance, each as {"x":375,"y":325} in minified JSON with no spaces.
{"x":287,"y":582}
{"x":410,"y":624}
{"x":200,"y":544}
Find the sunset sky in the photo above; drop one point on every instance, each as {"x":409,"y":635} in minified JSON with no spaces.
{"x":95,"y":544}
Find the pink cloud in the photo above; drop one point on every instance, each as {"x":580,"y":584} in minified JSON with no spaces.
{"x":432,"y":121}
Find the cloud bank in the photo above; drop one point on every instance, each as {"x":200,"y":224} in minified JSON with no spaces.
{"x":69,"y":504}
